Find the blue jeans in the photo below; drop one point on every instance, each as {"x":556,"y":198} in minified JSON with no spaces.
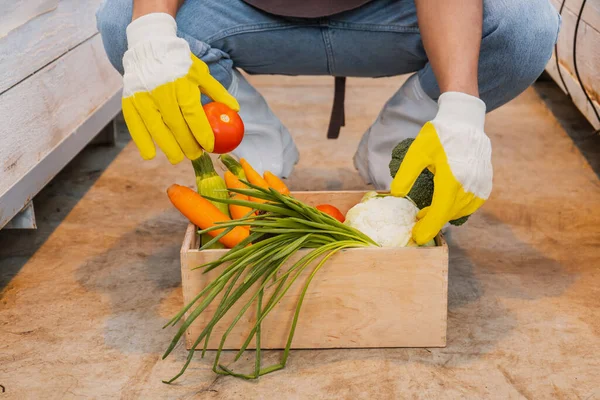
{"x":376,"y":40}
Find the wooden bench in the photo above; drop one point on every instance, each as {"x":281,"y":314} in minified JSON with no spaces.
{"x":57,"y":92}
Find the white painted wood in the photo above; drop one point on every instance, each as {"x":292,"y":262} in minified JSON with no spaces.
{"x":31,"y":46}
{"x":362,"y":298}
{"x":107,"y":136}
{"x":25,"y":219}
{"x":588,"y":56}
{"x":37,"y":177}
{"x":16,"y":13}
{"x":42,"y":111}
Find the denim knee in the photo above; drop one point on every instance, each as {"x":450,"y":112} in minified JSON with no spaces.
{"x":523,"y":34}
{"x":112,"y":19}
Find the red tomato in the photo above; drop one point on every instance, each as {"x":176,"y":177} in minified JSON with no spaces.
{"x":331,"y":210}
{"x":226,"y":125}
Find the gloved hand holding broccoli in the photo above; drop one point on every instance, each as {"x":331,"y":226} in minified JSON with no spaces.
{"x":422,"y":191}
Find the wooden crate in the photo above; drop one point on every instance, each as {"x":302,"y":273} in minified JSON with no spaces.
{"x":367,"y":297}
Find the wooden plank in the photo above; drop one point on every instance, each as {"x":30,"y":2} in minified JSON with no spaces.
{"x":591,"y":12}
{"x":31,"y":46}
{"x":588,"y":61}
{"x":576,"y":92}
{"x":588,"y":56}
{"x":362,"y":298}
{"x":40,"y":112}
{"x":37,"y":177}
{"x":16,"y":13}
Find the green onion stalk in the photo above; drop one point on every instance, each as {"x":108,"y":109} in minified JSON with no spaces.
{"x":281,"y":227}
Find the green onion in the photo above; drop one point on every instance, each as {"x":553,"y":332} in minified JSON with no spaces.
{"x":283,"y":226}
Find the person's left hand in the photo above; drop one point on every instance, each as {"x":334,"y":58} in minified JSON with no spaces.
{"x":455,"y":148}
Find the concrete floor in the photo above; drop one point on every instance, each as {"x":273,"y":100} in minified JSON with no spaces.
{"x":84,"y":297}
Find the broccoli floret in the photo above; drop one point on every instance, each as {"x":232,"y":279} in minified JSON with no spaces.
{"x":422,"y":191}
{"x":459,"y":221}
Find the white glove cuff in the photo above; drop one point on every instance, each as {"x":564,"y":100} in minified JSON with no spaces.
{"x":151,"y":26}
{"x":461,"y":109}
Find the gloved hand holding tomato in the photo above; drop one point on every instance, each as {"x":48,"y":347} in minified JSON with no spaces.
{"x":162,"y":85}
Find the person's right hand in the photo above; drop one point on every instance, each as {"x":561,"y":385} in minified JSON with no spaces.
{"x":455,"y":148}
{"x":161,"y":91}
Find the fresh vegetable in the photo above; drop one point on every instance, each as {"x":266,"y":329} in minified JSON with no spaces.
{"x":233,"y":165}
{"x":233,"y":182}
{"x":237,"y":211}
{"x":247,"y":271}
{"x":331,"y":210}
{"x":227,"y":126}
{"x":275,"y":183}
{"x":459,"y":221}
{"x":388,"y":220}
{"x":370,"y":195}
{"x":253,"y":176}
{"x":422,"y":191}
{"x":205,"y":215}
{"x":209,"y":183}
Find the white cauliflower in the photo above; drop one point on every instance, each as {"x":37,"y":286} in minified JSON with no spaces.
{"x":387,"y":220}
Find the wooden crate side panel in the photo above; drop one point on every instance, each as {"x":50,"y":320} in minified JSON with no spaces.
{"x":37,"y":40}
{"x":360,"y":298}
{"x":43,"y":110}
{"x":188,"y":240}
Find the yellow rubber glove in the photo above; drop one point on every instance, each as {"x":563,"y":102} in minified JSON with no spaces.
{"x":161,"y":91}
{"x":455,"y":148}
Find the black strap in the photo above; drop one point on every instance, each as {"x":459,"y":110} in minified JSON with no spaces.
{"x":338,"y":115}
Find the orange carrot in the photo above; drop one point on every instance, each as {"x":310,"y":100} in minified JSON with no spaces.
{"x":232,"y":181}
{"x":276,"y":183}
{"x":237,"y":211}
{"x":253,"y":176}
{"x":204,"y":214}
